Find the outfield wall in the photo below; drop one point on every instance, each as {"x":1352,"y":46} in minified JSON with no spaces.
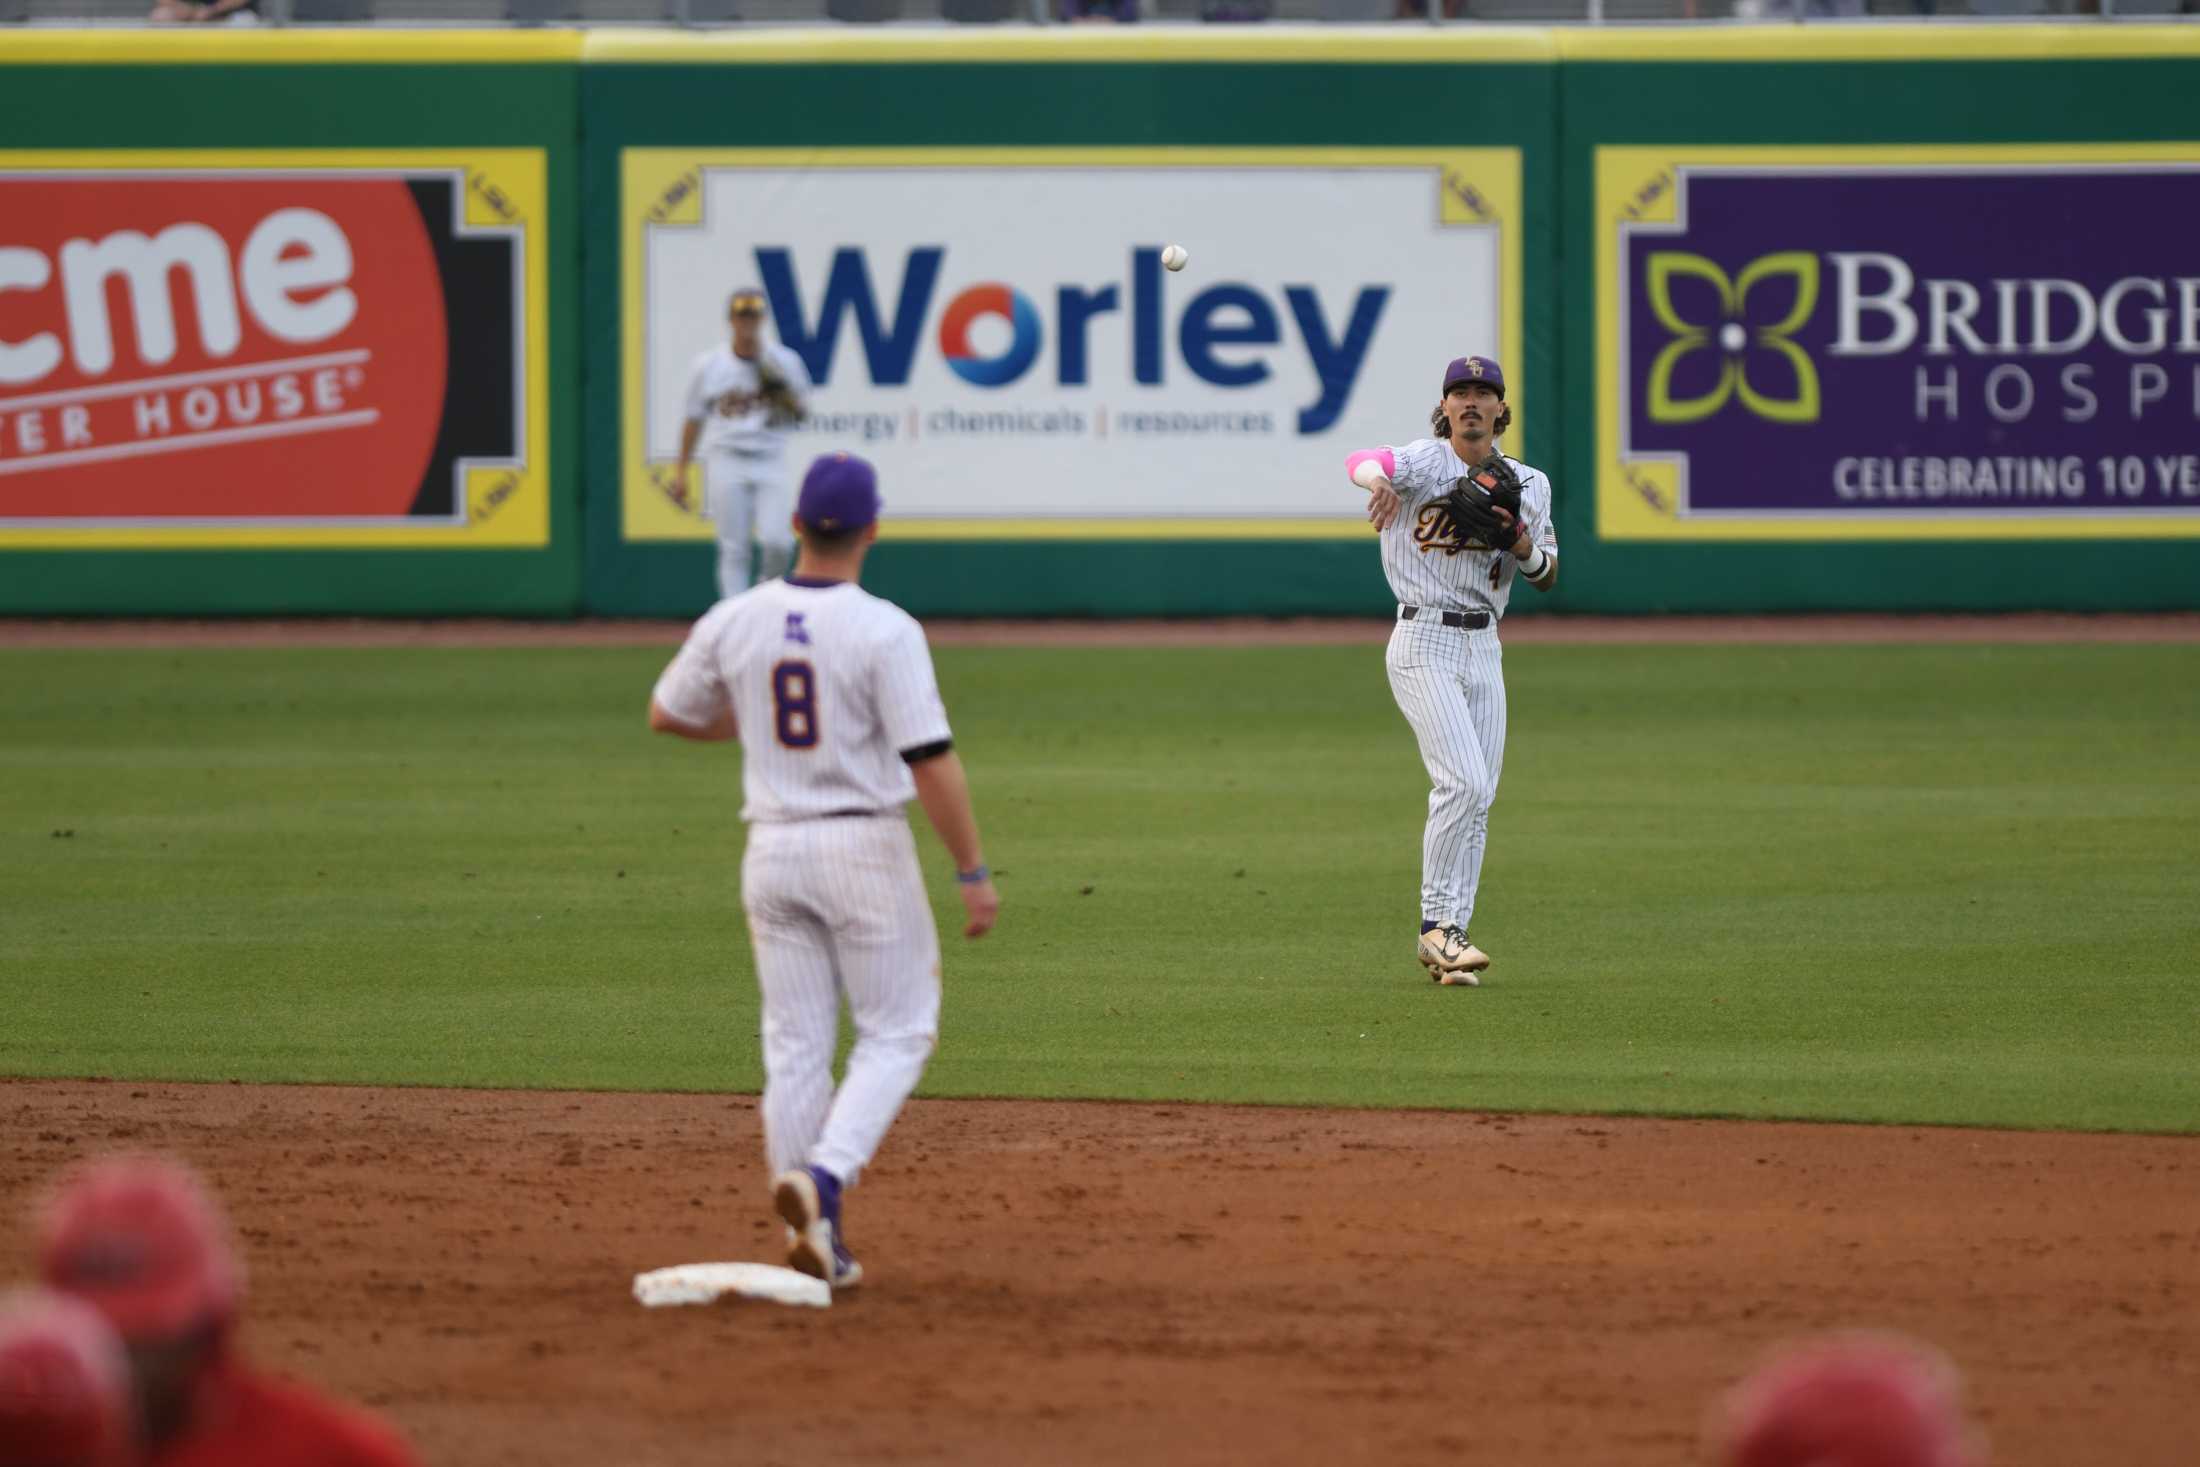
{"x":361,"y":392}
{"x":1797,"y":318}
{"x":1815,"y":157}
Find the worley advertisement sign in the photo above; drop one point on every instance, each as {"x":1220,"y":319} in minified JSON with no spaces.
{"x":995,"y":328}
{"x":1807,"y":344}
{"x":265,"y":349}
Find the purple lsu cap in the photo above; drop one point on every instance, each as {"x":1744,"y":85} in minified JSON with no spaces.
{"x":839,"y":494}
{"x":1474,"y":369}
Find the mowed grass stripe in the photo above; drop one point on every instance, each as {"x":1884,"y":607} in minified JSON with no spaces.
{"x":1950,"y":884}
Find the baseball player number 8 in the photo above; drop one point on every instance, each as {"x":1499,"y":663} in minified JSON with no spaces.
{"x":794,"y":704}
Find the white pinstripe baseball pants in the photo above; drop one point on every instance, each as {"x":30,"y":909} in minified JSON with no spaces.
{"x":837,"y":910}
{"x":749,"y":499}
{"x":1450,"y":684}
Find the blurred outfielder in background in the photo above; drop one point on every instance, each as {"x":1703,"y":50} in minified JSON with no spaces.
{"x":741,"y":397}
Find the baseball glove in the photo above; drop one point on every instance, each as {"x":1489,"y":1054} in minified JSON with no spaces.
{"x":1475,"y":503}
{"x":778,"y":397}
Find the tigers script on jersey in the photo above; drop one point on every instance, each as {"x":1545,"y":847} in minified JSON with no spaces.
{"x":1424,"y":557}
{"x":829,"y":686}
{"x":723,"y":395}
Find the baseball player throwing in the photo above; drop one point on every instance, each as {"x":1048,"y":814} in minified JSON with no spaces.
{"x":1458,"y":520}
{"x":741,"y":398}
{"x":831,"y":693}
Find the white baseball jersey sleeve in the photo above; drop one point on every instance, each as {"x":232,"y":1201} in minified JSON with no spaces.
{"x":829,"y":686}
{"x":722,"y":395}
{"x":1424,"y":558}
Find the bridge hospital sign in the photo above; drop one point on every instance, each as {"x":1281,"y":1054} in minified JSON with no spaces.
{"x":1883,"y":309}
{"x":1867,"y":343}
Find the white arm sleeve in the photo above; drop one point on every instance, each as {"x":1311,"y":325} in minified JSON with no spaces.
{"x":693,"y":687}
{"x":1423,"y":469}
{"x":910,"y":710}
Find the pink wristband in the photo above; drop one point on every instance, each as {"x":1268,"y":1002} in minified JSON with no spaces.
{"x":1383,"y":456}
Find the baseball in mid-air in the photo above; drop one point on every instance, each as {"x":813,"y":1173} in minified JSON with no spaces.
{"x":1176,"y":257}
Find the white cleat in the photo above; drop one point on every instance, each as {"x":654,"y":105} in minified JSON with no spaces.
{"x":1450,"y":959}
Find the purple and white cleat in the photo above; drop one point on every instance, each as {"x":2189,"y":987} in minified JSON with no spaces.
{"x":808,"y":1201}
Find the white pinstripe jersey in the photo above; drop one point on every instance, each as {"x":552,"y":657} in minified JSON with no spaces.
{"x":722,"y":396}
{"x":1426,"y":562}
{"x":828,"y":684}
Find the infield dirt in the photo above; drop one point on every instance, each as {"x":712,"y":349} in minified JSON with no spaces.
{"x":1163,"y":1284}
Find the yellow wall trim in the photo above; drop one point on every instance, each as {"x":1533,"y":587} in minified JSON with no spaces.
{"x":1389,"y":44}
{"x":1280,"y":43}
{"x":194,"y":46}
{"x":1845,"y":41}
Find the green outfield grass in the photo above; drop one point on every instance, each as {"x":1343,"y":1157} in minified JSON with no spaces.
{"x":1900,"y":883}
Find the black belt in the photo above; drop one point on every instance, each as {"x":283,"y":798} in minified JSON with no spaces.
{"x":855,"y":814}
{"x":1473,"y":621}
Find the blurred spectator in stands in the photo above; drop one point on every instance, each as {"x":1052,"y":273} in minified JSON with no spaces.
{"x":1121,"y":12}
{"x":64,"y":1385}
{"x":1418,"y":9}
{"x":1227,"y":11}
{"x":141,"y":1242}
{"x":206,"y":12}
{"x":1798,"y":9}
